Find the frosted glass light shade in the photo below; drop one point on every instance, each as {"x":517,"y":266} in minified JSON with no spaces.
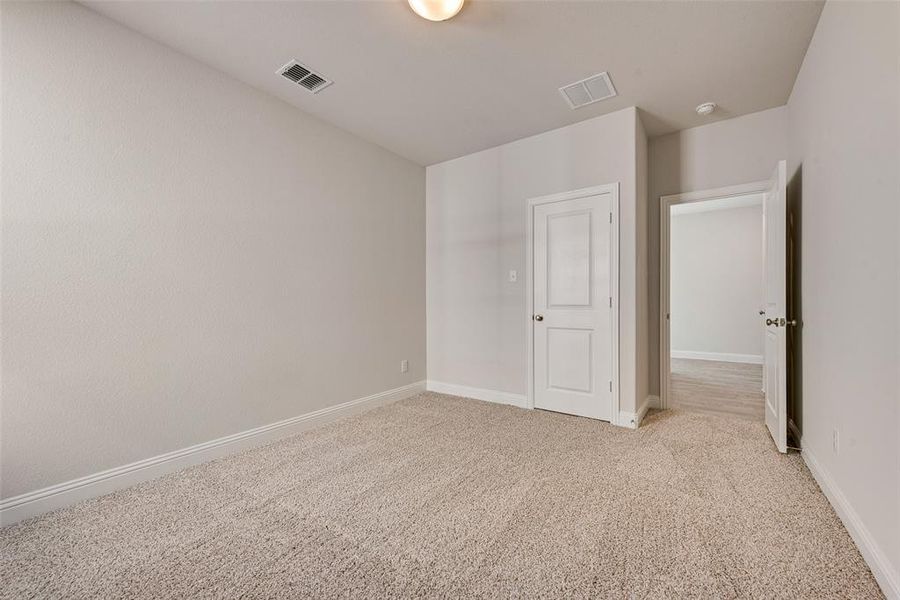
{"x":436,"y":10}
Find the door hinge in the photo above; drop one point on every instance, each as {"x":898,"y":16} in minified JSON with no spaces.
{"x":610,"y":301}
{"x":610,"y":385}
{"x":610,"y":217}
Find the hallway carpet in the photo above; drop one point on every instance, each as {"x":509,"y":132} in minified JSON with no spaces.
{"x":438,"y":496}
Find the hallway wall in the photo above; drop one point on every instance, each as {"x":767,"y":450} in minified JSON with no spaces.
{"x":720,"y":154}
{"x":716,"y":266}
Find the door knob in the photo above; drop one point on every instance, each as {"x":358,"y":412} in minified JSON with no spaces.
{"x":538,"y":317}
{"x":762,"y":312}
{"x":781,"y":322}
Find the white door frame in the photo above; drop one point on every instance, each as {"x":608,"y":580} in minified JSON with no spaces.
{"x":665,"y":215}
{"x":613,"y":190}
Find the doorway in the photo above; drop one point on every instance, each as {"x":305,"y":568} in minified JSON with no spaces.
{"x":573,"y":303}
{"x":716,"y":337}
{"x":723,"y":302}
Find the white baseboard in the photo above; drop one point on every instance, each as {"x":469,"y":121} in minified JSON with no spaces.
{"x":623,"y":419}
{"x":629,"y":420}
{"x":754,"y":359}
{"x":632,"y":420}
{"x":878,"y":562}
{"x":654,"y":402}
{"x":477,"y":393}
{"x":50,"y":498}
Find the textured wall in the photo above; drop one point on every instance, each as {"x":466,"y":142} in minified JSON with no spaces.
{"x":716,"y":266}
{"x":476,"y":235}
{"x":184,"y":257}
{"x":643,"y":367}
{"x":845,"y":186}
{"x":720,"y":154}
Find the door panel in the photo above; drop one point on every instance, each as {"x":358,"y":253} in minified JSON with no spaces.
{"x":569,"y":360}
{"x":569,"y":259}
{"x":573,"y":336}
{"x":775,"y":224}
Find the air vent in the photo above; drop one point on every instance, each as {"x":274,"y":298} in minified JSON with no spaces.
{"x":587,"y":91}
{"x":303,"y":75}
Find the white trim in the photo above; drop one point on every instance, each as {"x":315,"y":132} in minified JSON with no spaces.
{"x":613,"y":190}
{"x":878,"y":562}
{"x":633,"y":420}
{"x":665,"y":202}
{"x":486,"y":395}
{"x":753,"y":359}
{"x":729,"y":203}
{"x":50,"y":498}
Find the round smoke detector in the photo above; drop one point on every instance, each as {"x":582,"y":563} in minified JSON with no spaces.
{"x":706,"y":108}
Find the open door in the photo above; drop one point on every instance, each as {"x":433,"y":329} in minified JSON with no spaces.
{"x":775,"y":228}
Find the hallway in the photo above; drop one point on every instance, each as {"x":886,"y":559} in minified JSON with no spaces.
{"x":719,"y":388}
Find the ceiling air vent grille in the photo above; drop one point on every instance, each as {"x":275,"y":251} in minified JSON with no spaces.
{"x":587,"y":91}
{"x":303,"y":75}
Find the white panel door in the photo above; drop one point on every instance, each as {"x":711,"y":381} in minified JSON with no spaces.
{"x":573,"y":334}
{"x":775,"y":225}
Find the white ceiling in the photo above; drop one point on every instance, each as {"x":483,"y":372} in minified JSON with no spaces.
{"x":434,"y":91}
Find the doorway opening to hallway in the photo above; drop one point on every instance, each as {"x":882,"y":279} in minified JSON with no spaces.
{"x":716,"y":294}
{"x":723,"y":302}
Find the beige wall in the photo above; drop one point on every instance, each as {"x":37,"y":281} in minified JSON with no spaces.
{"x":642,"y":290}
{"x":844,"y":173}
{"x":716,"y":266}
{"x":476,"y":226}
{"x":720,"y":154}
{"x":183,"y":257}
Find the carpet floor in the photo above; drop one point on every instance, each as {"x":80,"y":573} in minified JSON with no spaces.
{"x":438,"y":496}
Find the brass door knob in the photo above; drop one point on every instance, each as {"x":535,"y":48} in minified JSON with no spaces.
{"x":538,"y":317}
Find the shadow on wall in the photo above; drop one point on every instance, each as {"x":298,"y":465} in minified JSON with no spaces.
{"x":794,"y":302}
{"x":664,"y":178}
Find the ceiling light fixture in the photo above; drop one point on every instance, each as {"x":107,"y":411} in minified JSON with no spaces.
{"x":436,"y":10}
{"x":706,"y":108}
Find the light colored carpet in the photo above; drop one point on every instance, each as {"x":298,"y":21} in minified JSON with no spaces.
{"x":443,"y":497}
